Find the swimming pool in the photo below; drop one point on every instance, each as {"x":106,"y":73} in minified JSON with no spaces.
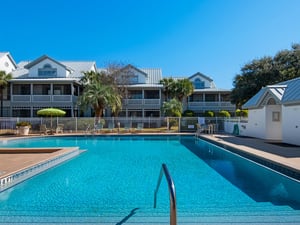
{"x":114,"y":180}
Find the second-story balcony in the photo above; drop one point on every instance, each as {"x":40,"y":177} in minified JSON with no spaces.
{"x":43,"y":98}
{"x":215,"y":106}
{"x":142,"y":103}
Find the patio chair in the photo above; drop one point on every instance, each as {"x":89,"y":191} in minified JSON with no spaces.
{"x":59,"y":128}
{"x":98,"y":127}
{"x":127,"y":127}
{"x":111,"y":126}
{"x":200,"y":128}
{"x":139,"y":127}
{"x":44,"y":129}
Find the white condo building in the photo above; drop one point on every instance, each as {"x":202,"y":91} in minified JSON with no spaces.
{"x":46,"y":82}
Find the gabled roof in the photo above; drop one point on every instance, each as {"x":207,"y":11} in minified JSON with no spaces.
{"x":154,"y":75}
{"x":292,"y":92}
{"x":284,"y":93}
{"x":2,"y":54}
{"x":201,"y":75}
{"x":77,"y":68}
{"x":129,"y":66}
{"x":259,"y":100}
{"x":42,"y":58}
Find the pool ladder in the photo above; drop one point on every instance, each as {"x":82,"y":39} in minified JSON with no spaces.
{"x":171,"y":186}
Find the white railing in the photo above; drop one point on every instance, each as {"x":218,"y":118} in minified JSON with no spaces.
{"x":62,"y":98}
{"x":43,"y":98}
{"x":21,"y":98}
{"x":80,"y":124}
{"x":210,"y":106}
{"x":141,"y":101}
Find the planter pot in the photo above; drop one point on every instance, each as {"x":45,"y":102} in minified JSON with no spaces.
{"x":24,"y":130}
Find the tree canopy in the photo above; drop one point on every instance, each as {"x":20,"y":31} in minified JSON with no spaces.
{"x":178,"y":89}
{"x":285,"y":65}
{"x":4,"y":79}
{"x":172,"y":108}
{"x":103,"y":89}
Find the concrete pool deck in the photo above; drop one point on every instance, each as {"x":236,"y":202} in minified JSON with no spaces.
{"x":11,"y":163}
{"x":287,"y":156}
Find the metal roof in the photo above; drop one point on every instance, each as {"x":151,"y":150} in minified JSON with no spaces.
{"x":78,"y":67}
{"x":292,"y":92}
{"x":154,"y":75}
{"x":9,"y":56}
{"x":253,"y":102}
{"x":286,"y":92}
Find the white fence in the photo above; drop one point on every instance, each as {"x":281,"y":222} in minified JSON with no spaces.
{"x":83,"y":124}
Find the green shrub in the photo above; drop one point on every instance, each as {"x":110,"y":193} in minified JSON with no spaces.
{"x":209,"y":114}
{"x":241,"y":112}
{"x":23,"y":124}
{"x":224,"y":113}
{"x":189,"y":113}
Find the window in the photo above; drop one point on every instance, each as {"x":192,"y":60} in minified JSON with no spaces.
{"x":47,"y":71}
{"x":75,"y":90}
{"x":135,"y":94}
{"x":275,"y":116}
{"x":21,"y":112}
{"x":151,"y":94}
{"x":196,"y":98}
{"x":271,"y":101}
{"x":21,"y":89}
{"x":211,"y":98}
{"x":135,"y":113}
{"x":198,"y":84}
{"x":153,"y":113}
{"x":225,"y":97}
{"x":62,"y":89}
{"x":41,"y":89}
{"x":134,"y":79}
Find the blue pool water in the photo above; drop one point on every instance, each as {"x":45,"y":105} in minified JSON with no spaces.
{"x":120,"y":173}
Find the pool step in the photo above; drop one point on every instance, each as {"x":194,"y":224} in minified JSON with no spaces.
{"x":266,"y":214}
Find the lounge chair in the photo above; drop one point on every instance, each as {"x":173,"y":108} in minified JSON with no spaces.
{"x":200,"y":128}
{"x":59,"y":128}
{"x":127,"y":127}
{"x":139,"y":127}
{"x":98,"y":127}
{"x":111,"y":126}
{"x":44,"y":129}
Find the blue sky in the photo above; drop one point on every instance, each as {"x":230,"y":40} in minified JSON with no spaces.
{"x":182,"y":37}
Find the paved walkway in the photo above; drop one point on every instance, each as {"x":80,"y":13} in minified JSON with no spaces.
{"x":11,"y":163}
{"x":283,"y":154}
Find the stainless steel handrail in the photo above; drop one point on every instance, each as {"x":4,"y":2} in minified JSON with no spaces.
{"x":171,"y":186}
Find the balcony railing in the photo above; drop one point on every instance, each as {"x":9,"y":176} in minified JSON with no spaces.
{"x":43,"y":98}
{"x":142,"y":103}
{"x":210,"y":106}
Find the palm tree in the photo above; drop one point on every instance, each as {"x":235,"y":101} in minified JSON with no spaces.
{"x":100,"y":96}
{"x":172,"y":108}
{"x":4,"y":79}
{"x":183,"y":88}
{"x":100,"y":92}
{"x":168,"y":87}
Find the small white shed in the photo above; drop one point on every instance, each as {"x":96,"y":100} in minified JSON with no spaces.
{"x":274,"y":113}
